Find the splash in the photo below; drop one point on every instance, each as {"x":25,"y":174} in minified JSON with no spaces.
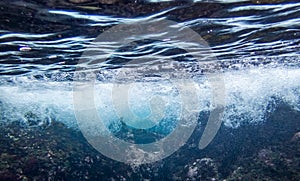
{"x":251,"y":95}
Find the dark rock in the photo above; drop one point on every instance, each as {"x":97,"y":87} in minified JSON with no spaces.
{"x":7,"y":176}
{"x":202,"y":169}
{"x":296,"y":137}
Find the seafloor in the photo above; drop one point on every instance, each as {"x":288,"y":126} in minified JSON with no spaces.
{"x":266,"y":151}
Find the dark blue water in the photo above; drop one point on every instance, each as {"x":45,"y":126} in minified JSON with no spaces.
{"x":255,"y":47}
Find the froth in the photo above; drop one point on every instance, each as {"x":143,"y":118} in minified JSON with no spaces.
{"x":250,"y":96}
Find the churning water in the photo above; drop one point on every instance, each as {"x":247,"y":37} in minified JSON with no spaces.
{"x":257,"y":49}
{"x":256,"y":46}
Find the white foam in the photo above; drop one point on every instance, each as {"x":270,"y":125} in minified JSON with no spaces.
{"x":250,"y":95}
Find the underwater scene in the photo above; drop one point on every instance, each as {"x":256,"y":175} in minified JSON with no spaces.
{"x":149,"y":90}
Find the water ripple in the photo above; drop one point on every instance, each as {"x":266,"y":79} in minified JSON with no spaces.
{"x":36,"y":38}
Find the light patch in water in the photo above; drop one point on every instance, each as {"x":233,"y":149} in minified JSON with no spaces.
{"x":250,"y":96}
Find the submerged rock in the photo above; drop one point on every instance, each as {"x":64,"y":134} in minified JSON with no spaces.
{"x":204,"y":168}
{"x":266,"y":156}
{"x":296,"y":137}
